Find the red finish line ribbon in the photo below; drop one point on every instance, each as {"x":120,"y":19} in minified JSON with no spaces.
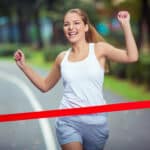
{"x":75,"y":111}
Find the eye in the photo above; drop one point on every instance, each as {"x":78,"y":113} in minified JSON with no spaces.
{"x":66,"y":24}
{"x":77,"y":23}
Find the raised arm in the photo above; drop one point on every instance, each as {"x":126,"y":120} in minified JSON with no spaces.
{"x":119,"y":55}
{"x":44,"y":84}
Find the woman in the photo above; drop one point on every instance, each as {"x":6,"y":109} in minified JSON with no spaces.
{"x":82,"y":69}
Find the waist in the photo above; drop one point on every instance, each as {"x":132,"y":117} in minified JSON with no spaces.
{"x":72,"y":101}
{"x":98,"y":118}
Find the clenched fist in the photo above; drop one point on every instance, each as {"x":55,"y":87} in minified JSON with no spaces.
{"x":123,"y":17}
{"x":19,"y":58}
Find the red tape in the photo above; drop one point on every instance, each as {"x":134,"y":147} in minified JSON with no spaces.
{"x":75,"y":111}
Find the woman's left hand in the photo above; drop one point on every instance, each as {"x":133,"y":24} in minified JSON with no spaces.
{"x":123,"y":17}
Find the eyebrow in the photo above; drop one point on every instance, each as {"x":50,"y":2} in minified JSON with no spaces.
{"x":73,"y":21}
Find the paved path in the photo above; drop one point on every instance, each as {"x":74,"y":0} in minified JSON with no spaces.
{"x":128,"y":129}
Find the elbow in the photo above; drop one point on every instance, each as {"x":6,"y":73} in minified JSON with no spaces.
{"x":44,"y":89}
{"x":136,"y":58}
{"x":133,"y":59}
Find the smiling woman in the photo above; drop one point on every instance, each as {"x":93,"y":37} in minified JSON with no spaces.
{"x":82,"y":68}
{"x":78,"y":19}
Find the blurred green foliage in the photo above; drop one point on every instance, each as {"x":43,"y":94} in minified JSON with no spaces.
{"x":51,"y":52}
{"x":138,"y":72}
{"x":8,"y":50}
{"x":58,"y":12}
{"x":133,"y":6}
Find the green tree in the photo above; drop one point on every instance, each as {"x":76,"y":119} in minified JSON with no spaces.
{"x":24,"y":10}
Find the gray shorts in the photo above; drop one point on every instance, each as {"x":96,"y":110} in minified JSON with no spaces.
{"x":92,"y":135}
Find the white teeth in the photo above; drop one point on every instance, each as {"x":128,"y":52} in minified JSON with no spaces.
{"x":73,"y":33}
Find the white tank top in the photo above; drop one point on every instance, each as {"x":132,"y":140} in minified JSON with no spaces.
{"x":82,"y":81}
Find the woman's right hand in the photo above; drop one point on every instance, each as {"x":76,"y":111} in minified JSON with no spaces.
{"x":19,"y":58}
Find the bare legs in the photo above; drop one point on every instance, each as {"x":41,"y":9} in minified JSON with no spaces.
{"x":72,"y":146}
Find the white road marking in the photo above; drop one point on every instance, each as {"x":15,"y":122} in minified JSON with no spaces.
{"x":44,"y":124}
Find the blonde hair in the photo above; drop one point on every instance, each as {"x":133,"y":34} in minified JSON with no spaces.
{"x":91,"y":35}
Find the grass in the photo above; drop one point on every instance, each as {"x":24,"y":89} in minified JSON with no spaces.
{"x":7,"y":59}
{"x":126,"y":89}
{"x":37,"y":59}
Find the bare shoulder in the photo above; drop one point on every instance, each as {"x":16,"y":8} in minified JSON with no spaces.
{"x":101,"y":45}
{"x":100,"y":48}
{"x":60,"y":57}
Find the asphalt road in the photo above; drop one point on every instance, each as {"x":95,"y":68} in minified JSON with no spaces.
{"x":128,"y":129}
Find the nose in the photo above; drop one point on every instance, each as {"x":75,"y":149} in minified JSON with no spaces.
{"x":70,"y":26}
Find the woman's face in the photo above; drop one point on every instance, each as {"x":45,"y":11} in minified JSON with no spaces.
{"x":74,"y":27}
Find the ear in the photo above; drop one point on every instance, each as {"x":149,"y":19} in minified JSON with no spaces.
{"x":86,"y":27}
